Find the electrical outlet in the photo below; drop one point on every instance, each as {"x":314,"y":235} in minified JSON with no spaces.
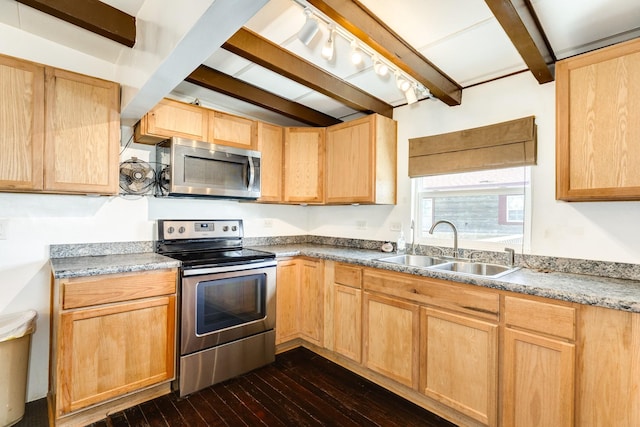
{"x":4,"y":228}
{"x":268,"y":223}
{"x":361,"y":225}
{"x":395,"y":226}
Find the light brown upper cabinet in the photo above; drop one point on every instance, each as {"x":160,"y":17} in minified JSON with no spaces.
{"x":597,"y":130}
{"x":361,"y":161}
{"x":82,"y":134}
{"x":172,"y":118}
{"x":304,"y":165}
{"x":271,"y":147}
{"x":227,"y":129}
{"x":61,"y":130}
{"x":22,"y":130}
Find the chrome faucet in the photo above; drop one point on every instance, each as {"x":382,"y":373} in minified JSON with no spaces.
{"x":455,"y":234}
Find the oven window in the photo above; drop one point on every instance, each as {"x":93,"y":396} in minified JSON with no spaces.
{"x":229,"y":302}
{"x":215,"y":172}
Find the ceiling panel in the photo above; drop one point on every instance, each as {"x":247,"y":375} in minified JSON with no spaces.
{"x":480,"y":53}
{"x":575,"y":26}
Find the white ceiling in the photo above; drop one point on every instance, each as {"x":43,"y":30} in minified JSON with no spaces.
{"x":461,"y":37}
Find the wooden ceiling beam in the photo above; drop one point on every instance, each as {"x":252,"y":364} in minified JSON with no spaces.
{"x":92,"y":15}
{"x":220,"y":82}
{"x":367,"y":27}
{"x":257,"y":49}
{"x":508,"y":17}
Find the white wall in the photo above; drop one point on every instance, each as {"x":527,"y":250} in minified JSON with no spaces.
{"x":604,"y":231}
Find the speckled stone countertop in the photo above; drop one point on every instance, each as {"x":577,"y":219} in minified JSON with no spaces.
{"x":620,"y":294}
{"x":108,"y":264}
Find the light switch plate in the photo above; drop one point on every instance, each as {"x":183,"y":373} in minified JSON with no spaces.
{"x":395,"y":226}
{"x":361,"y":225}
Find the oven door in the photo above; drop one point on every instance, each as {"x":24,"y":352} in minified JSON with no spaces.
{"x":227,"y":303}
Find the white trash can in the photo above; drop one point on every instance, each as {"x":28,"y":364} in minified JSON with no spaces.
{"x":15,"y":339}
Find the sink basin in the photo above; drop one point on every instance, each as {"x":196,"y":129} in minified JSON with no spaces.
{"x":475,"y":268}
{"x":413,"y":260}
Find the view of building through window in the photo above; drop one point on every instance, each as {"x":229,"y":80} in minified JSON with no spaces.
{"x":486,"y":206}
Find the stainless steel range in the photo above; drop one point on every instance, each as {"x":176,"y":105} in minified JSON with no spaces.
{"x":227,"y":301}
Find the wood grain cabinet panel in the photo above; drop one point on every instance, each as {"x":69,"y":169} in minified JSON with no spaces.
{"x":227,"y":129}
{"x":82,"y":135}
{"x":361,"y":161}
{"x":459,"y":363}
{"x":172,"y":118}
{"x":390,"y":338}
{"x":304,"y":165}
{"x":287,"y":297}
{"x":271,"y":147}
{"x":22,"y":130}
{"x":597,"y":126}
{"x":347,"y":322}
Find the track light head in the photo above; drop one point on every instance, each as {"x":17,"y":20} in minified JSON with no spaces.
{"x":410,"y":95}
{"x":309,"y":29}
{"x":328,"y":49}
{"x":402,"y":83}
{"x":356,"y":53}
{"x":380,"y":67}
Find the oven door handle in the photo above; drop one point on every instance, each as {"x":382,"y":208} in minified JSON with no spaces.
{"x":226,"y":268}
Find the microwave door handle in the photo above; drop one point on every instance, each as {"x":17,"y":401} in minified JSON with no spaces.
{"x":252,"y":172}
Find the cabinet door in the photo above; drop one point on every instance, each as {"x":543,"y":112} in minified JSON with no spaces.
{"x":347,"y":322}
{"x":287,"y":297}
{"x":459,"y":363}
{"x":350,"y":162}
{"x":304,"y":165}
{"x":311,"y":303}
{"x":597,"y":134}
{"x":538,"y":380}
{"x":227,"y":129}
{"x":271,"y":147}
{"x":390,"y":338}
{"x":112,"y":350}
{"x":172,"y":118}
{"x":82,"y":134}
{"x":22,"y":129}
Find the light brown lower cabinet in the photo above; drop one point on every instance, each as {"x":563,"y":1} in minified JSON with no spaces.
{"x":459,"y":363}
{"x":479,"y":356}
{"x":112,"y":337}
{"x":299,"y":300}
{"x":390,"y":338}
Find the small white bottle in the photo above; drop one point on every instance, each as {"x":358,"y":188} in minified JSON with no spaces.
{"x":401,"y":244}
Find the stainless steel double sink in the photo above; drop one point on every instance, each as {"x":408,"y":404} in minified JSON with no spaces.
{"x":468,"y":267}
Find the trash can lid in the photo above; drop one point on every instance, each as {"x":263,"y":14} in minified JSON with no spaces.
{"x":17,"y":325}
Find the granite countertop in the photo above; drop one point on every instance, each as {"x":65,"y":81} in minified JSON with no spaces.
{"x":108,"y":264}
{"x":619,"y":294}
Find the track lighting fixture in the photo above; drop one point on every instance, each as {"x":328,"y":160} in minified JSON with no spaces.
{"x":309,"y":29}
{"x":402,"y":83}
{"x":328,"y":49}
{"x":410,"y":95}
{"x":379,"y":67}
{"x":356,"y":53}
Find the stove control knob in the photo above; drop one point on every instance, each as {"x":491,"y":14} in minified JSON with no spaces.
{"x":181,"y":230}
{"x":234,"y":228}
{"x":225,"y":228}
{"x":170,"y":230}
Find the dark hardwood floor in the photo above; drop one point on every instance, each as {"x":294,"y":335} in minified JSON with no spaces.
{"x":299,"y":389}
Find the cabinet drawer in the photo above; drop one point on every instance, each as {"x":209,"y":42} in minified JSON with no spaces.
{"x":440,"y":293}
{"x":551,"y":319}
{"x":348,"y":275}
{"x":96,"y":290}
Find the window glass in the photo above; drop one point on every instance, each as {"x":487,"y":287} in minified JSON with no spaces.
{"x":487,"y":207}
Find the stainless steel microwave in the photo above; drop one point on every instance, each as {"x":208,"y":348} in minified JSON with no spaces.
{"x":196,"y":168}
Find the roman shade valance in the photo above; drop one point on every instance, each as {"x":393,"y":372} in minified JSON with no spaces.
{"x":501,"y":145}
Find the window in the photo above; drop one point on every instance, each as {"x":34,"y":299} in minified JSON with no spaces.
{"x":488,"y":207}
